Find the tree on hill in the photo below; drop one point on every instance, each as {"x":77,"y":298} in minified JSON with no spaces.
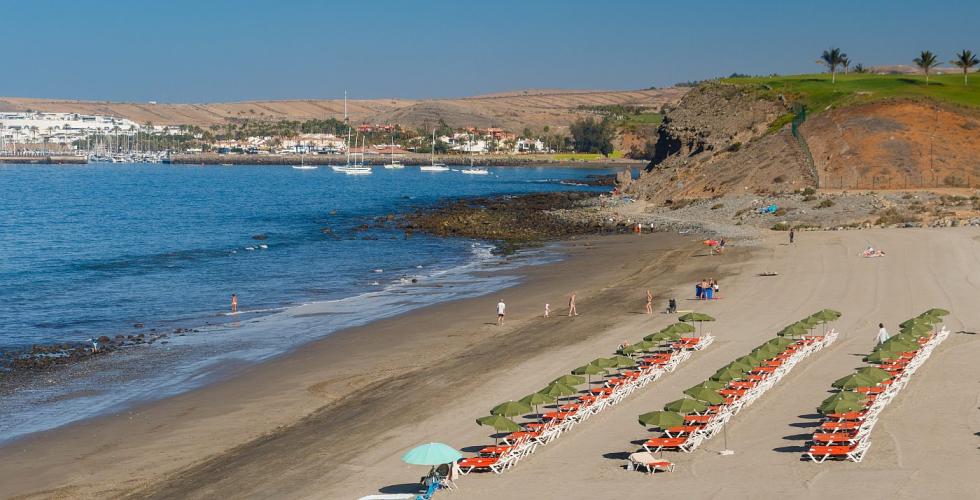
{"x":926,"y":61}
{"x":591,"y":136}
{"x":965,"y":60}
{"x":833,"y":58}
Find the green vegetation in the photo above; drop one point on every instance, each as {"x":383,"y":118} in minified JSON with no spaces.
{"x":926,"y":62}
{"x":833,"y":58}
{"x":818,"y":92}
{"x":592,"y":136}
{"x":965,"y":60}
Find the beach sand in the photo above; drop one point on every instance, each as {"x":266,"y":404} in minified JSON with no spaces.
{"x":332,"y":419}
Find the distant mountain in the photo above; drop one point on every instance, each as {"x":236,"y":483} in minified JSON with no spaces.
{"x":510,"y":110}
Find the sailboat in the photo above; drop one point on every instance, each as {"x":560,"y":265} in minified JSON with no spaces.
{"x":302,"y":163}
{"x":352,"y":169}
{"x":474,"y":170}
{"x":393,"y":163}
{"x":434,"y":167}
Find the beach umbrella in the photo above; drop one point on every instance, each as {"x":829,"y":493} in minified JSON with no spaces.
{"x":705,"y":394}
{"x":853,"y":381}
{"x":768,"y":350}
{"x":875,"y":373}
{"x":696,"y":317}
{"x":431,"y":454}
{"x":746,"y":362}
{"x":499,"y":422}
{"x":837,"y":404}
{"x":809,"y":322}
{"x":603,"y":362}
{"x":917,"y":329}
{"x":882,"y":355}
{"x":662,"y":336}
{"x":794,"y":330}
{"x":570,"y":380}
{"x":682,"y":327}
{"x":713,"y":385}
{"x":630,"y":349}
{"x":897,"y":345}
{"x":645,"y":345}
{"x":623,"y":362}
{"x":912,"y":322}
{"x":937,"y":312}
{"x":825,"y":316}
{"x":538,"y":398}
{"x":927,"y":319}
{"x":511,"y":409}
{"x":727,"y":374}
{"x":558,"y":389}
{"x":661,"y":419}
{"x":686,"y":405}
{"x":780,"y":343}
{"x":756,"y":356}
{"x":589,"y":370}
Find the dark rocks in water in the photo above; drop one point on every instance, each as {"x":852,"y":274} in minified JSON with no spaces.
{"x":260,"y":237}
{"x":362,"y":227}
{"x":138,"y":325}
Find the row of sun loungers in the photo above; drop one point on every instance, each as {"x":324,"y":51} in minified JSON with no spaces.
{"x":716,"y":401}
{"x":846,"y":434}
{"x":609,"y":392}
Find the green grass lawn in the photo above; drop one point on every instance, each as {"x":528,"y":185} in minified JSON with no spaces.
{"x":818,"y":93}
{"x":652,"y":119}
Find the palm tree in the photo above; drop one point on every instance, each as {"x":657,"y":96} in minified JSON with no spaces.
{"x":833,"y":58}
{"x":926,"y":61}
{"x":965,"y":60}
{"x":845,"y":62}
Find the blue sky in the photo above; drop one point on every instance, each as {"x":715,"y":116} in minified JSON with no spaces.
{"x":218,"y":50}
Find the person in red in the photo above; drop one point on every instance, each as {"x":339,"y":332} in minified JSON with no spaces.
{"x":234,"y":303}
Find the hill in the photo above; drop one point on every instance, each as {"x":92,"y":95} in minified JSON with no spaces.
{"x":864,"y":132}
{"x":511,"y":110}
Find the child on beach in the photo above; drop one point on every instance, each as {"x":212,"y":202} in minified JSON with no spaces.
{"x":649,"y":301}
{"x":501,"y":309}
{"x":672,"y":306}
{"x":547,"y":310}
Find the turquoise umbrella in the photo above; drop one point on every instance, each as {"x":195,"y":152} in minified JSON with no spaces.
{"x":431,"y":454}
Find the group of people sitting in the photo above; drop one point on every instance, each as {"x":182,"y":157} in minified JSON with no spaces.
{"x":707,"y":289}
{"x":872,"y":252}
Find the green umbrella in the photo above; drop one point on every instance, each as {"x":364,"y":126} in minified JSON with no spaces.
{"x":768,"y":351}
{"x":499,"y":422}
{"x":623,"y":362}
{"x":810,"y":322}
{"x":589,"y":369}
{"x":704,"y":394}
{"x":686,"y":405}
{"x":431,"y":454}
{"x":897,"y":345}
{"x":937,"y":312}
{"x":746,"y":362}
{"x":853,"y":381}
{"x":794,"y":330}
{"x":603,"y":362}
{"x":511,"y":409}
{"x":917,"y":329}
{"x":645,"y":345}
{"x":727,"y":374}
{"x":912,"y":322}
{"x":696,"y":317}
{"x":662,"y":336}
{"x":875,"y":373}
{"x":927,"y":319}
{"x":713,"y":385}
{"x":836,"y":404}
{"x":882,"y":355}
{"x":827,"y":315}
{"x":570,"y":380}
{"x":681,"y":327}
{"x":630,"y":349}
{"x":538,"y":398}
{"x":756,"y":357}
{"x":558,"y":389}
{"x":661,"y":419}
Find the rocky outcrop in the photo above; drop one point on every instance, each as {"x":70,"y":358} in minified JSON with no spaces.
{"x":717,"y":141}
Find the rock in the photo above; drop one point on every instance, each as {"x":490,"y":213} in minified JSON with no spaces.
{"x":260,"y":237}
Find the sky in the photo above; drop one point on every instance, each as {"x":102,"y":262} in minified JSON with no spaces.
{"x":221,"y":50}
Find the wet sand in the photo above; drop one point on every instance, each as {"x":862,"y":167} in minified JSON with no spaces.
{"x":331,"y":420}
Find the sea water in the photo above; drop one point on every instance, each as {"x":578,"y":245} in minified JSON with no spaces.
{"x":107,"y":249}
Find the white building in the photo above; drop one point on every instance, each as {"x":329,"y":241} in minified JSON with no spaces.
{"x":528,"y":146}
{"x":60,"y":128}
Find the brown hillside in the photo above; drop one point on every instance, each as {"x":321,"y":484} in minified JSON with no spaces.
{"x":513,"y":110}
{"x":715,"y":142}
{"x":896,"y":145}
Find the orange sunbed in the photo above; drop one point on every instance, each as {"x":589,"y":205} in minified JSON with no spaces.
{"x":490,"y":451}
{"x":698,"y":419}
{"x":832,"y":437}
{"x":663,"y":442}
{"x":840,"y":425}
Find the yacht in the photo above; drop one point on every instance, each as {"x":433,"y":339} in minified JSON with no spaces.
{"x":434,"y":167}
{"x":393,"y":163}
{"x":475,"y":171}
{"x":353,"y":168}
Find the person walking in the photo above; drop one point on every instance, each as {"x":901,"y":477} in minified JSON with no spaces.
{"x":792,"y":235}
{"x":572,"y":311}
{"x":547,"y":310}
{"x":501,"y":311}
{"x":649,"y":301}
{"x":882,"y":335}
{"x":234,"y":303}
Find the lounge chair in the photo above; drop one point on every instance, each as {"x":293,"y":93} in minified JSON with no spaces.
{"x":652,"y":464}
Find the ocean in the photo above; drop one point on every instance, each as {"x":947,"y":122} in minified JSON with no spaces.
{"x":118,"y":249}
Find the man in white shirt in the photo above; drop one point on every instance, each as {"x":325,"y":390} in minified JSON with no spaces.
{"x":882,"y":334}
{"x":501,"y":307}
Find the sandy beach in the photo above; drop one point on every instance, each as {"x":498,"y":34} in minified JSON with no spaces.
{"x":332,"y":419}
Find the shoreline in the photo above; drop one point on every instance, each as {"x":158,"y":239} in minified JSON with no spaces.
{"x":297,"y":373}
